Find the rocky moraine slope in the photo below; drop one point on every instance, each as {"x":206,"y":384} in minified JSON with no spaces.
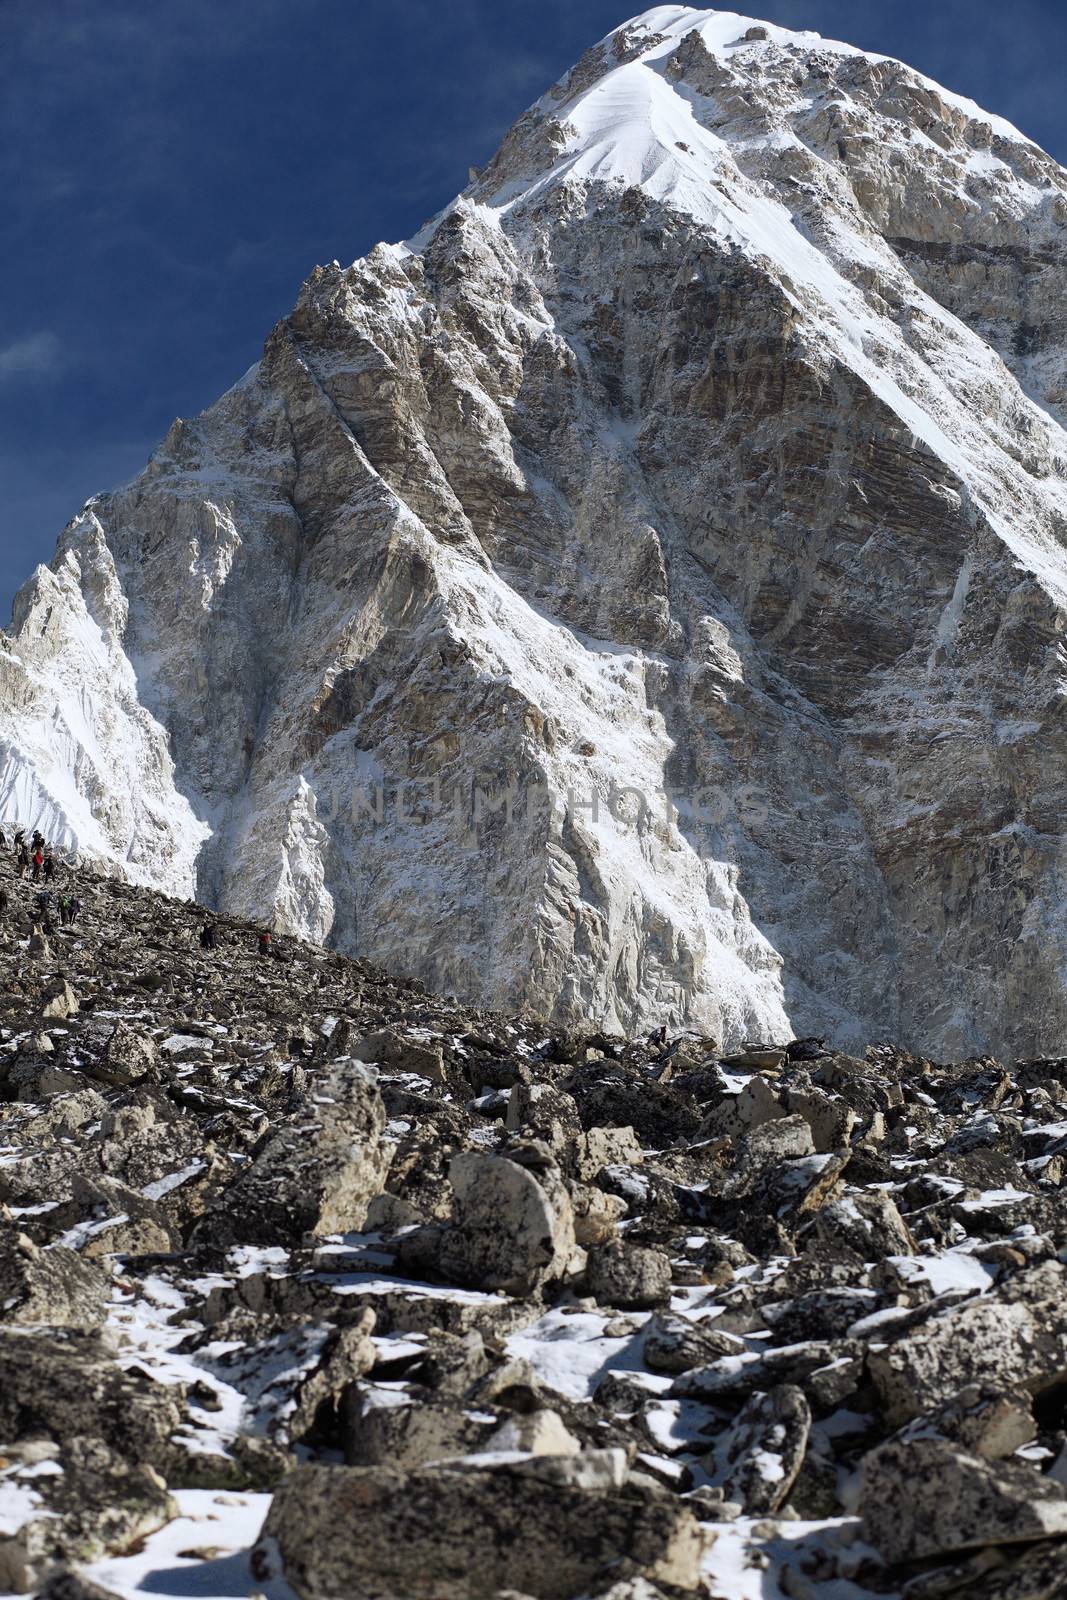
{"x":710,"y":444}
{"x":312,"y":1284}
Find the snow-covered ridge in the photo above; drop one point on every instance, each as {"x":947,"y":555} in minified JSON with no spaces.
{"x":708,"y":446}
{"x":724,"y":33}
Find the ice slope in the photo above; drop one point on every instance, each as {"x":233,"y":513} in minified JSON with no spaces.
{"x":80,"y":757}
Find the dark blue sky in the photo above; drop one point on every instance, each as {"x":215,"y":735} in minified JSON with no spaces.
{"x":171,"y":169}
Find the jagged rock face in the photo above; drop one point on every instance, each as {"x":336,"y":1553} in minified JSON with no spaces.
{"x":707,"y":446}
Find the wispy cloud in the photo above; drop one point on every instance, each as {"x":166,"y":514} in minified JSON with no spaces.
{"x":38,"y":355}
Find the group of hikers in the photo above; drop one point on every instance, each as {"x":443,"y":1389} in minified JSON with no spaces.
{"x":36,"y":857}
{"x":209,"y":939}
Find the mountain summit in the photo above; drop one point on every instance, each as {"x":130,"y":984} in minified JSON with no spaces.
{"x":640,"y":596}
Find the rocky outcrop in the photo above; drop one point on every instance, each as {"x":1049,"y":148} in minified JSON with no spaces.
{"x":1001,"y":1338}
{"x":639,"y":596}
{"x":626,"y":1275}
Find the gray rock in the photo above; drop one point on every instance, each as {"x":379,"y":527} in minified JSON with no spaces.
{"x":926,"y":1497}
{"x":1034,"y":1574}
{"x":348,"y":1355}
{"x":67,"y":1382}
{"x":97,"y":1504}
{"x":127,"y":1057}
{"x":450,"y":1365}
{"x":786,"y":1138}
{"x":755,"y":1058}
{"x":982,"y":1419}
{"x":513,"y":1226}
{"x":820,"y":1314}
{"x":316,"y":1174}
{"x":379,"y":1432}
{"x":538,"y":1433}
{"x":870,"y":1224}
{"x":757,"y":1461}
{"x":598,"y":1148}
{"x":675,"y":1344}
{"x":983,"y":1341}
{"x":628,"y":1276}
{"x":63,"y":1116}
{"x":147,"y":1226}
{"x":444,"y":1534}
{"x":71,"y":1586}
{"x":391,"y":1047}
{"x":33,"y":1077}
{"x":830,"y":1118}
{"x":49,"y":1286}
{"x":545,"y":1112}
{"x":828,"y":1372}
{"x":754,"y":1104}
{"x":796,"y":1189}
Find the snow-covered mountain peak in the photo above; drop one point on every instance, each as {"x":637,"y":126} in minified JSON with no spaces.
{"x":659,"y":102}
{"x":709,"y":448}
